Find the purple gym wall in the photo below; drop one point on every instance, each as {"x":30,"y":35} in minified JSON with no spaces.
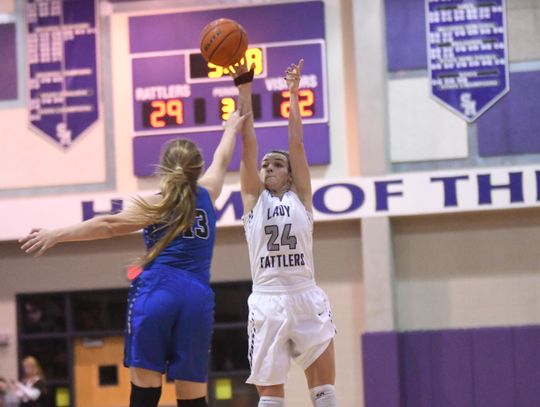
{"x":481,"y":367}
{"x":8,"y":53}
{"x":512,"y":125}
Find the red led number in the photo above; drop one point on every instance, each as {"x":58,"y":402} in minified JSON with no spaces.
{"x":306,"y":99}
{"x":166,"y":112}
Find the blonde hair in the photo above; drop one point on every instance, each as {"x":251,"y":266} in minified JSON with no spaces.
{"x":36,"y":365}
{"x":180,"y":167}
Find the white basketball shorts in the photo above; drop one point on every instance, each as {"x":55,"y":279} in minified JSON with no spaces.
{"x":285,"y":326}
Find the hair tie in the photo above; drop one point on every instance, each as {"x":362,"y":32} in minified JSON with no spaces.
{"x":178,"y":170}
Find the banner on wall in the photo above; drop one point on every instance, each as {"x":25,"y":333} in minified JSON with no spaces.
{"x":62,"y":68}
{"x":349,"y":198}
{"x":467,"y":54}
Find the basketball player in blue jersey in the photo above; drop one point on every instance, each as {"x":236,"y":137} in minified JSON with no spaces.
{"x":170,"y":304}
{"x":289,"y":315}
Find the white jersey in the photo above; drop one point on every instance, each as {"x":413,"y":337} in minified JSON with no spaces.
{"x":279,"y":234}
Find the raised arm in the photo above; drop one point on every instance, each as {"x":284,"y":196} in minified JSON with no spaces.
{"x":214,"y":176}
{"x":38,"y":241}
{"x":250,"y":183}
{"x":299,"y":164}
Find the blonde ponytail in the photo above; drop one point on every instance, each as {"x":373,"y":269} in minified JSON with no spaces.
{"x":180,"y":168}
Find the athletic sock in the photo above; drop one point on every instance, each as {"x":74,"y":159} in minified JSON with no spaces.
{"x":144,"y":396}
{"x":323,"y":396}
{"x":268,"y":401}
{"x":200,"y":402}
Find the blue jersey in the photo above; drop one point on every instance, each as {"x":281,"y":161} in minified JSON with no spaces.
{"x":190,"y":251}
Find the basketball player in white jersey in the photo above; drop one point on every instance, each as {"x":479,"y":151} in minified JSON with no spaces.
{"x":289,"y":315}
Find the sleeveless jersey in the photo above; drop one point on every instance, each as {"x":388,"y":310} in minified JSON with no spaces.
{"x":279,"y":234}
{"x":190,"y":251}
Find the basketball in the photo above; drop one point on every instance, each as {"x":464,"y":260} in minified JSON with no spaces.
{"x":223,"y":42}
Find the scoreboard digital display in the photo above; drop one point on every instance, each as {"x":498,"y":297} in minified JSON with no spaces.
{"x":176,"y":93}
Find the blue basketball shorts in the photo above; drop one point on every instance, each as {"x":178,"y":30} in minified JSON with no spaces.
{"x":170,"y":321}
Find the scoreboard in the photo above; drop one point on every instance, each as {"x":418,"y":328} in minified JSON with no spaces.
{"x":176,"y":93}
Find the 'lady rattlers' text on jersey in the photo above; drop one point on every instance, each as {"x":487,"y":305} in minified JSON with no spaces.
{"x":279,"y":236}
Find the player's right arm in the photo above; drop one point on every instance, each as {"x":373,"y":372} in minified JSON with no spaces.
{"x":250,"y":183}
{"x":214,"y":177}
{"x":130,"y":220}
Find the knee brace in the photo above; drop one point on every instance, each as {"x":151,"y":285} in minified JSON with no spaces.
{"x":323,"y":396}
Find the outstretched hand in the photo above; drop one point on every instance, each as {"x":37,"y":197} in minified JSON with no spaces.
{"x":236,"y":121}
{"x":240,"y":68}
{"x":38,"y":241}
{"x":292,"y":75}
{"x":242,"y":75}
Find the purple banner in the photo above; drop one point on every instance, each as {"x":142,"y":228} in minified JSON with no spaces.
{"x":467,"y":54}
{"x":177,"y":94}
{"x":62,"y":58}
{"x":8,"y":51}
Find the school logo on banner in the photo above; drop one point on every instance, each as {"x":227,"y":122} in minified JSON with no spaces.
{"x":62,"y":67}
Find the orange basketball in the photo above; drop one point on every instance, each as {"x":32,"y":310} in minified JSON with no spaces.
{"x":223,"y":42}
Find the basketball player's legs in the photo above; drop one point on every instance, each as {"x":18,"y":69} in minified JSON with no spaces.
{"x":144,"y":377}
{"x":190,"y":344}
{"x":313,"y":339}
{"x":168,"y":333}
{"x":145,"y":387}
{"x":269,"y":348}
{"x":321,"y":377}
{"x":148,"y":324}
{"x":191,"y":394}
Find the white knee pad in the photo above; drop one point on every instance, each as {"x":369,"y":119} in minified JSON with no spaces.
{"x":268,"y":401}
{"x":323,"y":396}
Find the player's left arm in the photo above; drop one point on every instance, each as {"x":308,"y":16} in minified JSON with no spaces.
{"x":130,"y":220}
{"x":299,"y":165}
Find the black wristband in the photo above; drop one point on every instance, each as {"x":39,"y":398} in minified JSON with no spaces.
{"x":246,"y":77}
